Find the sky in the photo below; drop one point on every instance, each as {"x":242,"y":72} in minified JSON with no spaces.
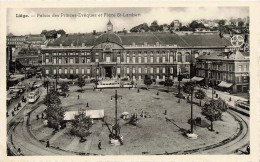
{"x":34,"y":25}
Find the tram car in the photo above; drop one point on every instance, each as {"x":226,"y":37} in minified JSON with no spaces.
{"x":33,"y":96}
{"x":127,"y":85}
{"x":108,"y":84}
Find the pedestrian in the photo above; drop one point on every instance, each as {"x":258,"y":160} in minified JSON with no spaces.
{"x":248,"y":149}
{"x":78,"y":97}
{"x":165,"y":112}
{"x":19,"y":151}
{"x":99,"y":144}
{"x":42,"y":115}
{"x":230,"y":99}
{"x":7,"y":114}
{"x":138,"y":90}
{"x":14,"y":108}
{"x":157,"y":94}
{"x":87,"y":104}
{"x":129,"y":88}
{"x":37,"y":117}
{"x":47,"y":143}
{"x":13,"y":113}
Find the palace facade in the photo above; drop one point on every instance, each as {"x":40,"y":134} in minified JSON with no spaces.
{"x":132,"y":55}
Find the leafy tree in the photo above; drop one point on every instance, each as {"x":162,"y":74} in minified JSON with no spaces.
{"x":147,"y":81}
{"x":81,"y":125}
{"x":61,"y":32}
{"x":44,"y":32}
{"x":194,"y":24}
{"x":213,"y":109}
{"x":221,"y":22}
{"x":154,"y":26}
{"x":172,"y":25}
{"x":81,"y":82}
{"x":52,"y":98}
{"x":64,"y":87}
{"x":188,"y":88}
{"x":54,"y":115}
{"x":240,"y":23}
{"x":54,"y":112}
{"x":200,"y":94}
{"x":168,"y":83}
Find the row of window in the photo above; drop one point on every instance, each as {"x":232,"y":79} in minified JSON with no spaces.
{"x":133,"y":70}
{"x":145,"y":70}
{"x":224,"y":67}
{"x":108,"y":59}
{"x":15,"y":39}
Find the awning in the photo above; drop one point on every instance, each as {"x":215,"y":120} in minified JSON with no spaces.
{"x":225,"y":84}
{"x":93,"y":114}
{"x":197,"y":79}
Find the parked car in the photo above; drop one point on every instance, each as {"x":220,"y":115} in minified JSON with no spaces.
{"x":37,"y":85}
{"x":161,"y":82}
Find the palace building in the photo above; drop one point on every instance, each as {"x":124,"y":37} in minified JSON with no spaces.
{"x":132,"y":55}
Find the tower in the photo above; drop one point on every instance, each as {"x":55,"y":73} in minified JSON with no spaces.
{"x":109,"y":26}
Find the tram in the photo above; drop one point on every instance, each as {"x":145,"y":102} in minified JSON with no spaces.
{"x":33,"y":96}
{"x":108,"y":84}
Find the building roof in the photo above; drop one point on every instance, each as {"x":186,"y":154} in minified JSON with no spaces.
{"x":214,"y":55}
{"x":108,"y":37}
{"x":150,"y":38}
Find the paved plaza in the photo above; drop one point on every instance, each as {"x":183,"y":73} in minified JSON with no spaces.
{"x":151,"y":135}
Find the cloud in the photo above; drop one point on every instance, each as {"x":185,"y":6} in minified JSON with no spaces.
{"x":21,"y":26}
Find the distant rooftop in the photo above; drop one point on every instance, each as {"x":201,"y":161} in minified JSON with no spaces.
{"x":148,"y":38}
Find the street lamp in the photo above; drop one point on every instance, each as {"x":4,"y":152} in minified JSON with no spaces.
{"x":116,"y":126}
{"x":191,"y":107}
{"x":179,"y":79}
{"x":212,"y":84}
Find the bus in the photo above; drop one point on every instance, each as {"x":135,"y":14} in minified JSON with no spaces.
{"x":33,"y":96}
{"x":108,"y":84}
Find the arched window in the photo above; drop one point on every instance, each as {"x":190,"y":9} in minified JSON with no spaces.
{"x":179,"y":57}
{"x":187,"y":57}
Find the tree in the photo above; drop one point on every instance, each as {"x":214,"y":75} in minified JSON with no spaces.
{"x":81,"y":82}
{"x":54,"y":112}
{"x":147,"y":81}
{"x":240,"y":23}
{"x":154,"y":26}
{"x":44,"y":32}
{"x":188,"y":88}
{"x":172,"y":25}
{"x":200,"y":94}
{"x":64,"y":87}
{"x":52,"y":98}
{"x":221,"y":22}
{"x":81,"y":125}
{"x":168,"y":83}
{"x":194,"y":24}
{"x":61,"y":32}
{"x":213,"y":109}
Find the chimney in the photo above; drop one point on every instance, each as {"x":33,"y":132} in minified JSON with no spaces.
{"x":60,"y":44}
{"x":83,"y":44}
{"x":71,"y":44}
{"x":133,"y":43}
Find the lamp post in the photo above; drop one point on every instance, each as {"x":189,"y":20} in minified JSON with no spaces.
{"x":179,"y":79}
{"x":116,"y":126}
{"x":212,"y":84}
{"x":191,"y":107}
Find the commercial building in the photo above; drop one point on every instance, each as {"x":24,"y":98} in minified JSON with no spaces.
{"x":16,"y":41}
{"x":133,"y":55}
{"x":227,"y":70}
